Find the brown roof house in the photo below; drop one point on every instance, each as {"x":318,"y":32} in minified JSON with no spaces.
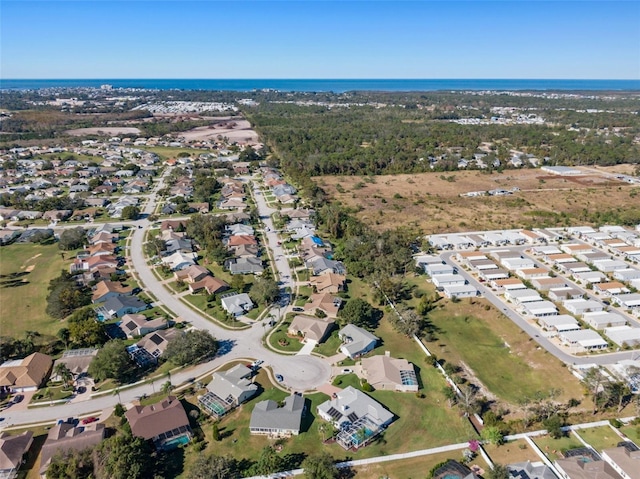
{"x":165,"y":423}
{"x":325,"y":302}
{"x":138,"y":325}
{"x":26,"y":374}
{"x":625,"y":459}
{"x":105,"y":290}
{"x":66,"y":436}
{"x":328,"y":283}
{"x":310,"y":328}
{"x":192,"y":274}
{"x":210,"y":284}
{"x":12,"y":450}
{"x":385,"y":372}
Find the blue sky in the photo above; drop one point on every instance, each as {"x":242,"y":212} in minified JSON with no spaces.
{"x":320,"y":39}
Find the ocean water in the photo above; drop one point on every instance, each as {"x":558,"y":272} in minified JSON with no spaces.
{"x":336,"y":85}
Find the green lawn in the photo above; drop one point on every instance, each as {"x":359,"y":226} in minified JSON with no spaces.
{"x":472,"y":334}
{"x":199,"y":301}
{"x":632,"y":432}
{"x":330,"y":346}
{"x":25,"y":272}
{"x":280,"y":334}
{"x":553,"y":448}
{"x":600,"y":437}
{"x":165,"y":152}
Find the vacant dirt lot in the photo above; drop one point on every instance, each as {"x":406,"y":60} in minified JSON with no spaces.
{"x":432,"y":201}
{"x":235,"y":129}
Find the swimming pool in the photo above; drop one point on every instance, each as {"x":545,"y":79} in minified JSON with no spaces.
{"x":175,"y":442}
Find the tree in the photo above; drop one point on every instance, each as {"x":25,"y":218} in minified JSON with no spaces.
{"x":498,"y":472}
{"x":360,"y":313}
{"x":492,"y":434}
{"x":268,"y":463}
{"x":87,"y":333}
{"x":64,"y":373}
{"x":237,"y":283}
{"x":320,"y":466}
{"x":65,"y":296}
{"x":594,"y":380}
{"x":71,"y":464}
{"x":130,"y":212}
{"x":264,"y":290}
{"x":123,"y":457}
{"x":468,"y":400}
{"x":215,"y":432}
{"x":214,"y":467}
{"x":407,"y":321}
{"x":167,"y":387}
{"x":190,"y":348}
{"x":72,"y":239}
{"x":553,"y":425}
{"x":111,"y":362}
{"x":64,"y":335}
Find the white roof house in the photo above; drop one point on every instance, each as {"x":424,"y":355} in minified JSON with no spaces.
{"x":179,"y":260}
{"x":609,"y":265}
{"x":626,"y":274}
{"x":521,"y":296}
{"x":623,"y":335}
{"x":583,"y":338}
{"x":559,"y":324}
{"x":237,"y":304}
{"x":438,"y":268}
{"x":629,"y":301}
{"x":603,"y":319}
{"x":540,"y":309}
{"x":590,"y":277}
{"x":491,"y":274}
{"x":581,"y":306}
{"x":460,"y":291}
{"x":518,"y":263}
{"x":448,"y":280}
{"x":356,"y":340}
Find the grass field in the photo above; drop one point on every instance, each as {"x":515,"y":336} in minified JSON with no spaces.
{"x":553,"y":448}
{"x":600,"y":437}
{"x":414,"y":468}
{"x":467,"y":332}
{"x":25,"y":272}
{"x":432,"y":201}
{"x":514,"y":451}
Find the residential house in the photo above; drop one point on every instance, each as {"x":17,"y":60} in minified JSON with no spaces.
{"x":237,"y":304}
{"x":228,"y":389}
{"x":583,"y":339}
{"x":106,"y":290}
{"x":584,"y":463}
{"x":460,"y":291}
{"x":152,"y":346}
{"x":581,"y":306}
{"x":238,"y":240}
{"x":529,"y":470}
{"x":245,"y":250}
{"x":328,"y":283}
{"x":558,"y":324}
{"x":120,"y":305}
{"x":625,"y":459}
{"x":27,"y":374}
{"x":66,"y":436}
{"x":76,"y":360}
{"x":179,"y":260}
{"x":245,"y":265}
{"x":269,"y":418}
{"x":352,"y":411}
{"x":133,"y":325}
{"x":325,"y":302}
{"x":610,"y":288}
{"x":603,"y":319}
{"x":165,"y":423}
{"x":192,"y":274}
{"x":356,"y":341}
{"x":12,"y":452}
{"x":385,"y":372}
{"x":210,"y":284}
{"x":310,"y":327}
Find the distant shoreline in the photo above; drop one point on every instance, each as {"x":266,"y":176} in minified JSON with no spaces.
{"x":331,"y":85}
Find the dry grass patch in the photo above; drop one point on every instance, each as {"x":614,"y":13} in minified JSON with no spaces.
{"x":511,"y":452}
{"x":432,"y":201}
{"x":416,"y":467}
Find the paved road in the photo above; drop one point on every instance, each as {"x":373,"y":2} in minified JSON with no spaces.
{"x":301,"y":373}
{"x":534,"y":331}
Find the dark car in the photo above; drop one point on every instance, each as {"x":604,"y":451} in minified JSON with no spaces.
{"x":298,"y":310}
{"x":279,"y":378}
{"x":18,"y":398}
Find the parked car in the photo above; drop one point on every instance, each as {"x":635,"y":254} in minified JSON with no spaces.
{"x":18,"y":398}
{"x":89,"y":420}
{"x":279,"y":378}
{"x":298,"y":309}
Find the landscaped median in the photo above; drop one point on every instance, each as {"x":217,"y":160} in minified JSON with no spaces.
{"x":280,"y":341}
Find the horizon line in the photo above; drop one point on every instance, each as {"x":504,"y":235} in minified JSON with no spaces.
{"x":319,"y":78}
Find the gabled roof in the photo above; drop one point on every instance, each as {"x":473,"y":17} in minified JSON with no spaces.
{"x":232,"y":383}
{"x":311,"y":327}
{"x":150,"y":421}
{"x":28,"y":372}
{"x":350,"y":404}
{"x":12,"y":448}
{"x":357,"y":339}
{"x":65,"y":437}
{"x":104,"y":287}
{"x":268,"y":415}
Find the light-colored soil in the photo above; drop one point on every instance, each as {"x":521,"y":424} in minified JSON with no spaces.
{"x":432,"y":201}
{"x":235,"y":129}
{"x":104,"y":131}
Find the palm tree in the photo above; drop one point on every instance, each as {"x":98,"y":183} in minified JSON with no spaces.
{"x":117,"y":391}
{"x":167,"y":387}
{"x":64,"y":373}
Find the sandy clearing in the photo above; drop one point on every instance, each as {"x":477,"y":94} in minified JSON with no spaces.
{"x":24,"y":265}
{"x":105,"y":131}
{"x":236,"y":130}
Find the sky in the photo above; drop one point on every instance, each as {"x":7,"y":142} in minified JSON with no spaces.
{"x":537,"y":39}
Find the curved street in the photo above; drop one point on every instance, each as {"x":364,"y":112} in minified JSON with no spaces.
{"x":300,"y":372}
